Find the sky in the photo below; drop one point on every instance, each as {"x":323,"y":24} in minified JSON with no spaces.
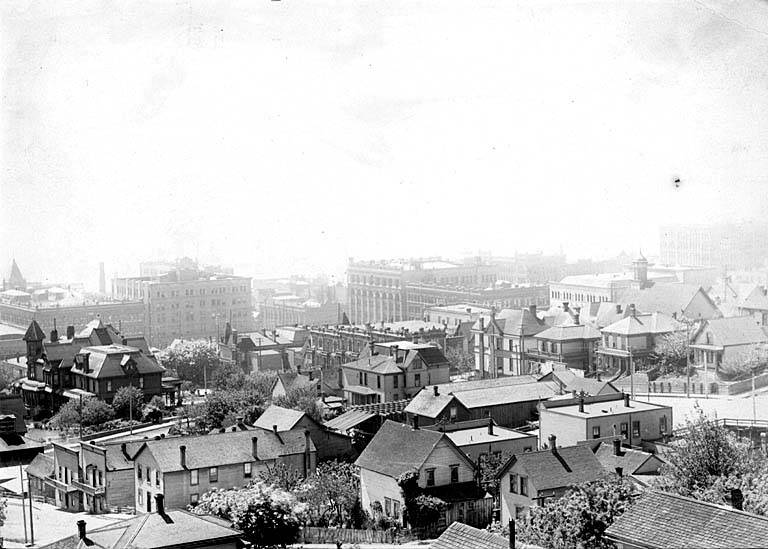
{"x":286,"y":137}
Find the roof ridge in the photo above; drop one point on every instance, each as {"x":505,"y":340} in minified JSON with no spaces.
{"x":709,"y":504}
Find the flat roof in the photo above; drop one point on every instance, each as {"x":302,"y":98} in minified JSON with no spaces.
{"x":607,"y":408}
{"x":479,"y":435}
{"x":460,"y":308}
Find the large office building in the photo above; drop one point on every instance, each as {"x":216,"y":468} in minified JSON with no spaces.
{"x":188,"y":303}
{"x":732,"y":245}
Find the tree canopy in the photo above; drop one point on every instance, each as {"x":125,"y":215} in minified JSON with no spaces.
{"x":191,"y":360}
{"x":124,"y":398}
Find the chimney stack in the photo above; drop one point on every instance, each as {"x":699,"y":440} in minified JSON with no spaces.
{"x":620,"y":471}
{"x":566,"y":308}
{"x":436,"y":390}
{"x":618,"y":308}
{"x":274,"y":429}
{"x":396,"y":351}
{"x":183,"y":456}
{"x":371,"y":346}
{"x":415,"y":422}
{"x":553,"y":443}
{"x":737,"y":499}
{"x":70,"y":332}
{"x":581,"y":404}
{"x":626,"y":400}
{"x":81,"y":529}
{"x":576,"y":315}
{"x":490,"y":426}
{"x":160,"y":504}
{"x":632,"y":310}
{"x":532,"y":309}
{"x":598,"y":376}
{"x":255,"y":447}
{"x":617,"y":447}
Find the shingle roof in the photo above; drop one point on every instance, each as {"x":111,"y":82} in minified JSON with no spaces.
{"x":737,"y":330}
{"x":426,"y":404}
{"x":756,"y":299}
{"x":463,"y":536}
{"x":206,"y":450}
{"x":591,"y":386}
{"x":34,"y":332}
{"x":177,"y":529}
{"x":398,"y":448}
{"x":630,"y":459}
{"x":41,"y":466}
{"x":568,"y":466}
{"x":569,"y":333}
{"x":654,"y":323}
{"x":285,"y":418}
{"x":106,"y":361}
{"x":380,"y":364}
{"x":661,"y":520}
{"x":508,"y":395}
{"x":518,"y":322}
{"x":348,"y":420}
{"x":663,"y":298}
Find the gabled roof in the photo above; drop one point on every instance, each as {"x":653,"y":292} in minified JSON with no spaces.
{"x":34,"y":332}
{"x":463,"y":536}
{"x":667,"y":298}
{"x":41,"y":466}
{"x":397,"y":448}
{"x":175,"y":529}
{"x":659,"y":519}
{"x":564,"y":467}
{"x":655,"y":323}
{"x":630,"y":460}
{"x":348,"y":420}
{"x":517,"y":322}
{"x":426,"y":404}
{"x":285,"y":418}
{"x":206,"y":450}
{"x":735,"y":330}
{"x":496,"y":396}
{"x":756,"y":300}
{"x":572,"y":382}
{"x":379,"y":364}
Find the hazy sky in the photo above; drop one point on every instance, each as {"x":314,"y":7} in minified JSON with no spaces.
{"x":288,"y":136}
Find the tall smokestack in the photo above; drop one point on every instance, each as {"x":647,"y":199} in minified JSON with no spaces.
{"x":102,"y":279}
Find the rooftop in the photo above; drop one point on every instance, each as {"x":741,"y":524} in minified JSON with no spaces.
{"x":602,"y":407}
{"x":552,"y":469}
{"x":654,"y":323}
{"x":662,"y":520}
{"x":284,"y":418}
{"x":480,"y":435}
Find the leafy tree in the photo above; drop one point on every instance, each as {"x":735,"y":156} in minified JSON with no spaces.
{"x":266,"y":515}
{"x":579,"y":518}
{"x":303,"y":399}
{"x":704,"y":452}
{"x":420,"y":510}
{"x":153,"y":411}
{"x":487,"y":469}
{"x":229,"y":376}
{"x":222,"y":407}
{"x":460,"y":360}
{"x":741,"y":365}
{"x":191,"y":360}
{"x":124,"y":397}
{"x":332,"y":491}
{"x":3,"y":511}
{"x":671,"y":354}
{"x":283,"y":477}
{"x":94,"y":412}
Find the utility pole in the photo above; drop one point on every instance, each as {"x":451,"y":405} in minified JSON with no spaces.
{"x":631,"y":374}
{"x":31,"y":516}
{"x":81,"y":416}
{"x":688,"y":359}
{"x":23,"y":503}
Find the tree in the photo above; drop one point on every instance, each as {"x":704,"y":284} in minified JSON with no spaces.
{"x":283,"y":477}
{"x":579,"y":518}
{"x":420,"y":510}
{"x":94,"y":412}
{"x":153,"y":411}
{"x":303,"y":399}
{"x":191,"y":360}
{"x":266,"y":515}
{"x":124,"y":398}
{"x":460,"y":360}
{"x":741,"y":366}
{"x":705,"y":452}
{"x":487,"y":469}
{"x":229,"y":376}
{"x":671,"y":353}
{"x":332,"y":491}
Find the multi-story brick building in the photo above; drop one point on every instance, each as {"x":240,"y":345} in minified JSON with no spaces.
{"x":290,"y":310}
{"x":188,"y":303}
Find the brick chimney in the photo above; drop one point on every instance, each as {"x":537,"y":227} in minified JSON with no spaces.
{"x":532,"y":309}
{"x":490,"y":426}
{"x":632,"y":310}
{"x":81,"y":529}
{"x":183,"y":456}
{"x":618,"y":308}
{"x":415,"y":422}
{"x":581,"y":404}
{"x":620,"y":471}
{"x":255,"y":447}
{"x":70,"y":332}
{"x":737,"y":499}
{"x":553,"y":443}
{"x":436,"y":390}
{"x":160,"y":504}
{"x":617,"y":447}
{"x":626,"y":400}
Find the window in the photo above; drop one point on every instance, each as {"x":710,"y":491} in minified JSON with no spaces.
{"x":141,"y":497}
{"x":663,"y":425}
{"x":625,"y":430}
{"x":635,"y":428}
{"x":149,"y":475}
{"x":454,"y":412}
{"x":101,"y":478}
{"x":454,"y":474}
{"x":138,"y":472}
{"x":430,"y":477}
{"x":387,"y":506}
{"x":523,"y":486}
{"x":157,"y":478}
{"x":109,"y":386}
{"x":193,"y":477}
{"x":417,"y":380}
{"x":596,"y":431}
{"x":213,"y":474}
{"x":193,"y":499}
{"x":247,"y":470}
{"x":141,"y":382}
{"x":397,"y":381}
{"x":360,"y":378}
{"x":378,"y":382}
{"x":513,"y":483}
{"x":396,"y":509}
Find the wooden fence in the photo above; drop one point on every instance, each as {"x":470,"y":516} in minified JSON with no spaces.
{"x":478,"y":513}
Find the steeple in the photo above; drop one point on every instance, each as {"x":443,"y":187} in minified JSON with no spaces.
{"x":16,"y":281}
{"x":34,"y":332}
{"x":640,"y":269}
